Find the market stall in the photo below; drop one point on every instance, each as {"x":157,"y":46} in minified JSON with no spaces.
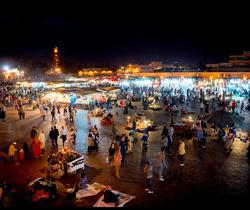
{"x":184,"y":126}
{"x":66,"y":98}
{"x":154,"y":107}
{"x":65,"y":162}
{"x":97,"y":112}
{"x":142,"y":123}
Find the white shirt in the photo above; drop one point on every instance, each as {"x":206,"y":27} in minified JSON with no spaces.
{"x":64,"y":132}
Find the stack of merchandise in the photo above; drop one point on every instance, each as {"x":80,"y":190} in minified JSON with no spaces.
{"x":42,"y":189}
{"x":58,"y":163}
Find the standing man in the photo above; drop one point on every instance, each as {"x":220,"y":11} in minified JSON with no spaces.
{"x":171,"y":133}
{"x":242,"y":106}
{"x":52,"y":136}
{"x":163,"y":163}
{"x":64,"y":133}
{"x":53,"y":113}
{"x":56,"y":134}
{"x":181,"y":152}
{"x":148,"y":170}
{"x":58,"y":108}
{"x":201,"y":107}
{"x":12,"y":151}
{"x":123,"y":149}
{"x":33,"y":133}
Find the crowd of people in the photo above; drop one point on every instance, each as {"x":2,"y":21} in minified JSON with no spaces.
{"x":121,"y":145}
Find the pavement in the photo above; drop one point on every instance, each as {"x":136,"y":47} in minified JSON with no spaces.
{"x":209,"y":174}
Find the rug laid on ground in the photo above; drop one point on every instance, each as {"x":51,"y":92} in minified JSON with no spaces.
{"x":91,"y":190}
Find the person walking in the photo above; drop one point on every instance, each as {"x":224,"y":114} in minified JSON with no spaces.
{"x":163,"y":163}
{"x":145,"y":138}
{"x":111,"y":153}
{"x":123,"y":149}
{"x":53,"y":113}
{"x":201,"y":137}
{"x":129,"y":143}
{"x":170,"y":134}
{"x":3,"y":113}
{"x":58,"y":106}
{"x":164,"y":131}
{"x":33,"y":133}
{"x":242,"y":106}
{"x":42,"y":139}
{"x":181,"y":152}
{"x":117,"y":161}
{"x":42,"y":112}
{"x":56,"y":134}
{"x":36,"y":147}
{"x":148,"y":170}
{"x":20,"y":113}
{"x":64,"y":134}
{"x":165,"y":143}
{"x":25,"y":150}
{"x":201,"y":107}
{"x":64,"y":111}
{"x":91,"y":143}
{"x":229,"y":141}
{"x":72,"y":136}
{"x":12,"y":151}
{"x":52,"y":136}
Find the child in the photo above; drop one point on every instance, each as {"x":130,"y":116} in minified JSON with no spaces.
{"x":83,"y":182}
{"x":148,"y":170}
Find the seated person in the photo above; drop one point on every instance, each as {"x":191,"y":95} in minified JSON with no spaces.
{"x":222,"y":135}
{"x":109,"y":116}
{"x":83,"y":182}
{"x":109,"y":196}
{"x":214,"y":127}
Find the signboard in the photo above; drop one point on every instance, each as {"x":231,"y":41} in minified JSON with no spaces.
{"x":75,"y":165}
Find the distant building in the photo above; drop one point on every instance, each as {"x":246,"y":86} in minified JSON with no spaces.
{"x":235,"y":63}
{"x":94,"y":72}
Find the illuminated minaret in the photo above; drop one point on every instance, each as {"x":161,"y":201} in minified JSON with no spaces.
{"x":56,"y":58}
{"x":56,"y":61}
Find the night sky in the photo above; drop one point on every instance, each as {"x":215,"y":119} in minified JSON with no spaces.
{"x":126,"y":34}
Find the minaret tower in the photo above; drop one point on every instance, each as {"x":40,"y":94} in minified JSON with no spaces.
{"x":56,"y":61}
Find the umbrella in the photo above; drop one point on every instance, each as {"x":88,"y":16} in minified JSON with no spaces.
{"x":223,"y":118}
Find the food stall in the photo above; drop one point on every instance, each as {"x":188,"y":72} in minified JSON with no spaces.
{"x":184,"y":126}
{"x":65,"y":98}
{"x":142,"y":123}
{"x":154,"y":107}
{"x":97,"y":112}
